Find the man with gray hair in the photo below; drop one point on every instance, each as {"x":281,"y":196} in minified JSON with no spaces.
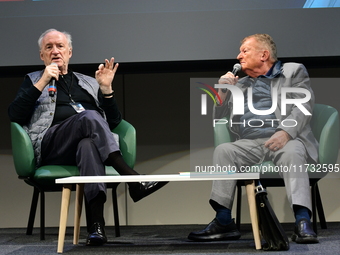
{"x":264,"y":139}
{"x":72,"y":124}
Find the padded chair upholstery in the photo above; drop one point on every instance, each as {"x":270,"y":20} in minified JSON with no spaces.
{"x":43,"y":178}
{"x":325,"y":127}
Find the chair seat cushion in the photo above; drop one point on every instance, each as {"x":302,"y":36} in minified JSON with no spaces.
{"x":46,"y":175}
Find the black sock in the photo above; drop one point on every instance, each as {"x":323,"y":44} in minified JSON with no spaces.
{"x":301,"y":212}
{"x":223,"y":214}
{"x":96,"y":206}
{"x":116,"y":160}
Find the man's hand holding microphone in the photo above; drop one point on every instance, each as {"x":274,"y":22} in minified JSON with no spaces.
{"x":50,"y":75}
{"x":228,"y":78}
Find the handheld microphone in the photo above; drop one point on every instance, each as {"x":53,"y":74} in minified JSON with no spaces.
{"x":52,"y":89}
{"x":236,"y":68}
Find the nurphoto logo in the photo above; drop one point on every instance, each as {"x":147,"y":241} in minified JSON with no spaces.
{"x":238,"y":103}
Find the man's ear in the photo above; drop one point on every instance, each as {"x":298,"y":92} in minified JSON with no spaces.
{"x":265,"y":56}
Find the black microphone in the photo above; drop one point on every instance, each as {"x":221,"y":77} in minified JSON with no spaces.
{"x":237,"y":67}
{"x":52,"y":89}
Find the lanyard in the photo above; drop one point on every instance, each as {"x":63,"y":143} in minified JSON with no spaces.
{"x":67,"y":90}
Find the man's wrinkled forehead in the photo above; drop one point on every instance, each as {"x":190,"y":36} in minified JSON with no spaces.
{"x":54,"y":36}
{"x":250,"y":43}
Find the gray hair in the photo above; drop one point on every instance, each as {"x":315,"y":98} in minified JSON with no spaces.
{"x":67,"y":35}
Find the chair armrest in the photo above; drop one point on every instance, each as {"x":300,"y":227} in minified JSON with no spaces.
{"x":22,"y":150}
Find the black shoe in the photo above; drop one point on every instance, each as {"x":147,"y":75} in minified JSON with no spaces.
{"x":304,"y":233}
{"x":216,"y":232}
{"x":96,"y":235}
{"x":140,"y":190}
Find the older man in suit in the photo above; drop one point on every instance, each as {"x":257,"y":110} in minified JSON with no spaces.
{"x":282,"y":135}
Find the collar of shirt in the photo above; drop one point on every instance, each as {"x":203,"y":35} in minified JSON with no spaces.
{"x":273,"y":71}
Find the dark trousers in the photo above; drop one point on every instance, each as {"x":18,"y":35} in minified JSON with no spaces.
{"x":84,"y":140}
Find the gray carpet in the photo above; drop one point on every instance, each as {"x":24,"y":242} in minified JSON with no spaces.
{"x":166,"y":239}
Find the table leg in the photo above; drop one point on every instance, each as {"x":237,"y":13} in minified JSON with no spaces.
{"x":65,"y":203}
{"x":250,"y":188}
{"x":77,"y":212}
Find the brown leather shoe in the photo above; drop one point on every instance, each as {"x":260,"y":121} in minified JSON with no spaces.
{"x":304,"y":233}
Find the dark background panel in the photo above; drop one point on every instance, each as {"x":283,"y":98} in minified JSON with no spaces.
{"x":155,"y":97}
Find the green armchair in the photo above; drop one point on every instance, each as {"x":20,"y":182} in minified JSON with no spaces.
{"x":43,"y":178}
{"x":325,"y":126}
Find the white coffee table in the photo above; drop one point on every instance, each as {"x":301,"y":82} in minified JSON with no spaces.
{"x":81,"y":180}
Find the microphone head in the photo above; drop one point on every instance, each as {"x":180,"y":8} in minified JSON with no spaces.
{"x":237,"y":67}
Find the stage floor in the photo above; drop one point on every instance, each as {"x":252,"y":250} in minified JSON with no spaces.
{"x":158,"y":239}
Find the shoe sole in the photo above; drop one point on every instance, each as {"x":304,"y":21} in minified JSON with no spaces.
{"x":95,"y":242}
{"x":304,"y":240}
{"x":217,"y":237}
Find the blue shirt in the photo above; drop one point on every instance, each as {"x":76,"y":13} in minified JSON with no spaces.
{"x":254,"y":126}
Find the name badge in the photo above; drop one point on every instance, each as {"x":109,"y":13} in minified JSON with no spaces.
{"x":77,"y":107}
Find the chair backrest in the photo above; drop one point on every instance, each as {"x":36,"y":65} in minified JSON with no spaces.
{"x":325,"y":127}
{"x":22,"y":150}
{"x":222,"y":133}
{"x":127,"y":142}
{"x":23,"y":153}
